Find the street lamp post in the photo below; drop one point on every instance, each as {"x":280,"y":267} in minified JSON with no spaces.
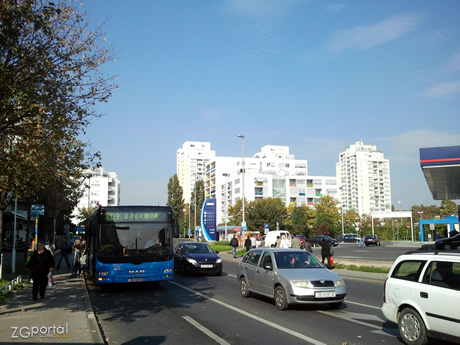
{"x":194,"y":214}
{"x":243,"y":225}
{"x":400,"y":210}
{"x":226,"y":203}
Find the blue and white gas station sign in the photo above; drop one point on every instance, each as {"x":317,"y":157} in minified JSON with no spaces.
{"x":208,"y":220}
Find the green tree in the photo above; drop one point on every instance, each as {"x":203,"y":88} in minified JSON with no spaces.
{"x":176,"y":199}
{"x":448,"y":208}
{"x":50,"y":80}
{"x":198,"y":201}
{"x":327,"y":216}
{"x":301,"y":219}
{"x":269,"y":210}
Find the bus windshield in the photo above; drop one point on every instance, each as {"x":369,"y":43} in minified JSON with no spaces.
{"x":135,"y":240}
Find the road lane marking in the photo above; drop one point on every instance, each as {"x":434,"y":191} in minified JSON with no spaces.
{"x":259,"y":319}
{"x":363,"y":305}
{"x":349,"y":316}
{"x":206,"y":331}
{"x":231,"y":275}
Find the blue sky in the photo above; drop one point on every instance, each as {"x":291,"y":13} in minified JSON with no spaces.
{"x":314,"y":75}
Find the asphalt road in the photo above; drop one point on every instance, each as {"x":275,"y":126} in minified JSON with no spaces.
{"x":210,"y":310}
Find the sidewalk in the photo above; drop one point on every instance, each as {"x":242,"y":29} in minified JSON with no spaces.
{"x":65,"y":315}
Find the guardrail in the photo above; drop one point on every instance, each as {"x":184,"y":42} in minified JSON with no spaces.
{"x":10,"y":286}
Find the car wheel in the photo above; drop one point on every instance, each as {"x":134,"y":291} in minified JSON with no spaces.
{"x":378,"y":243}
{"x":447,"y":247}
{"x":280,"y":298}
{"x":412,"y":328}
{"x":244,"y":289}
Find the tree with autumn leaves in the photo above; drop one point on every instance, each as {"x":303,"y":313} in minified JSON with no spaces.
{"x":50,"y":82}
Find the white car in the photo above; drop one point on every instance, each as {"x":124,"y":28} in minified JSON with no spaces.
{"x":422,"y":295}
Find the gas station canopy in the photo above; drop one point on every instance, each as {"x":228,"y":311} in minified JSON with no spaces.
{"x":441,"y":167}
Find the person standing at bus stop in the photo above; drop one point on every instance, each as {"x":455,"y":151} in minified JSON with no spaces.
{"x":41,"y":263}
{"x":234,"y":245}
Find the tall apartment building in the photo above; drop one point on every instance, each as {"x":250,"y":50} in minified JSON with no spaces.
{"x":191,"y":160}
{"x":100,"y":187}
{"x":363,"y":175}
{"x":271,"y":173}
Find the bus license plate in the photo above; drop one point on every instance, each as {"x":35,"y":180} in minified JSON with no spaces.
{"x":136,"y":280}
{"x":325,"y":294}
{"x":207,"y":266}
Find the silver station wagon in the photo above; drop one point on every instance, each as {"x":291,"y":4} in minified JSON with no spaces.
{"x":289,"y":276}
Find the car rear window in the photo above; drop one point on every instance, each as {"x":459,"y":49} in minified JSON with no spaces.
{"x":408,"y":270}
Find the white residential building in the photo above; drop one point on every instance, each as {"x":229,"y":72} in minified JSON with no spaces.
{"x":191,"y":160}
{"x":271,"y":173}
{"x":363,"y":175}
{"x":100,"y":187}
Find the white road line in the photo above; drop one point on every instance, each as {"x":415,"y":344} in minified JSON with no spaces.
{"x":231,"y":275}
{"x":363,"y":305}
{"x":206,"y":331}
{"x":259,"y":319}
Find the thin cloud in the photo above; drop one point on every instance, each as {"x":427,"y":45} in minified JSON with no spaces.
{"x":442,"y":89}
{"x":404,"y":147}
{"x":367,"y":37}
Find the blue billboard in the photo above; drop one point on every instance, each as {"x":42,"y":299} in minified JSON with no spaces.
{"x":208,"y":220}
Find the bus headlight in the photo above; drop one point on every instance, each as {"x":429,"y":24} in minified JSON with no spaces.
{"x":102,"y":273}
{"x":168,"y":270}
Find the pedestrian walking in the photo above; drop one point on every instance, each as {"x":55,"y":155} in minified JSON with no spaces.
{"x":307,"y":245}
{"x":325,"y":251}
{"x":248,"y":244}
{"x":278,"y":242}
{"x":50,"y":246}
{"x":41,"y":263}
{"x":234,"y":245}
{"x":76,"y":254}
{"x":81,"y":244}
{"x":295,"y":243}
{"x":284,"y":242}
{"x":63,"y":253}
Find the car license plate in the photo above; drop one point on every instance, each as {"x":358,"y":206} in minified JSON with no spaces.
{"x":207,"y":266}
{"x":136,"y":280}
{"x":325,"y":294}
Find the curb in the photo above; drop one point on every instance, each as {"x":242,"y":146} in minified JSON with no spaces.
{"x":92,"y":318}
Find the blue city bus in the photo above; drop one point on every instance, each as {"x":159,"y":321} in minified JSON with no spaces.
{"x":128,"y":244}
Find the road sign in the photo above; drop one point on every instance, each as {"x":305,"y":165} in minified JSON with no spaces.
{"x":37,"y":210}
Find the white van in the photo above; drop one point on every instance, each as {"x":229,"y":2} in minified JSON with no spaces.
{"x":270,"y":238}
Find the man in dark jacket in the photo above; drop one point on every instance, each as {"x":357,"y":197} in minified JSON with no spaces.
{"x":40,"y":264}
{"x":325,"y":251}
{"x":234,"y":245}
{"x":248,"y":244}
